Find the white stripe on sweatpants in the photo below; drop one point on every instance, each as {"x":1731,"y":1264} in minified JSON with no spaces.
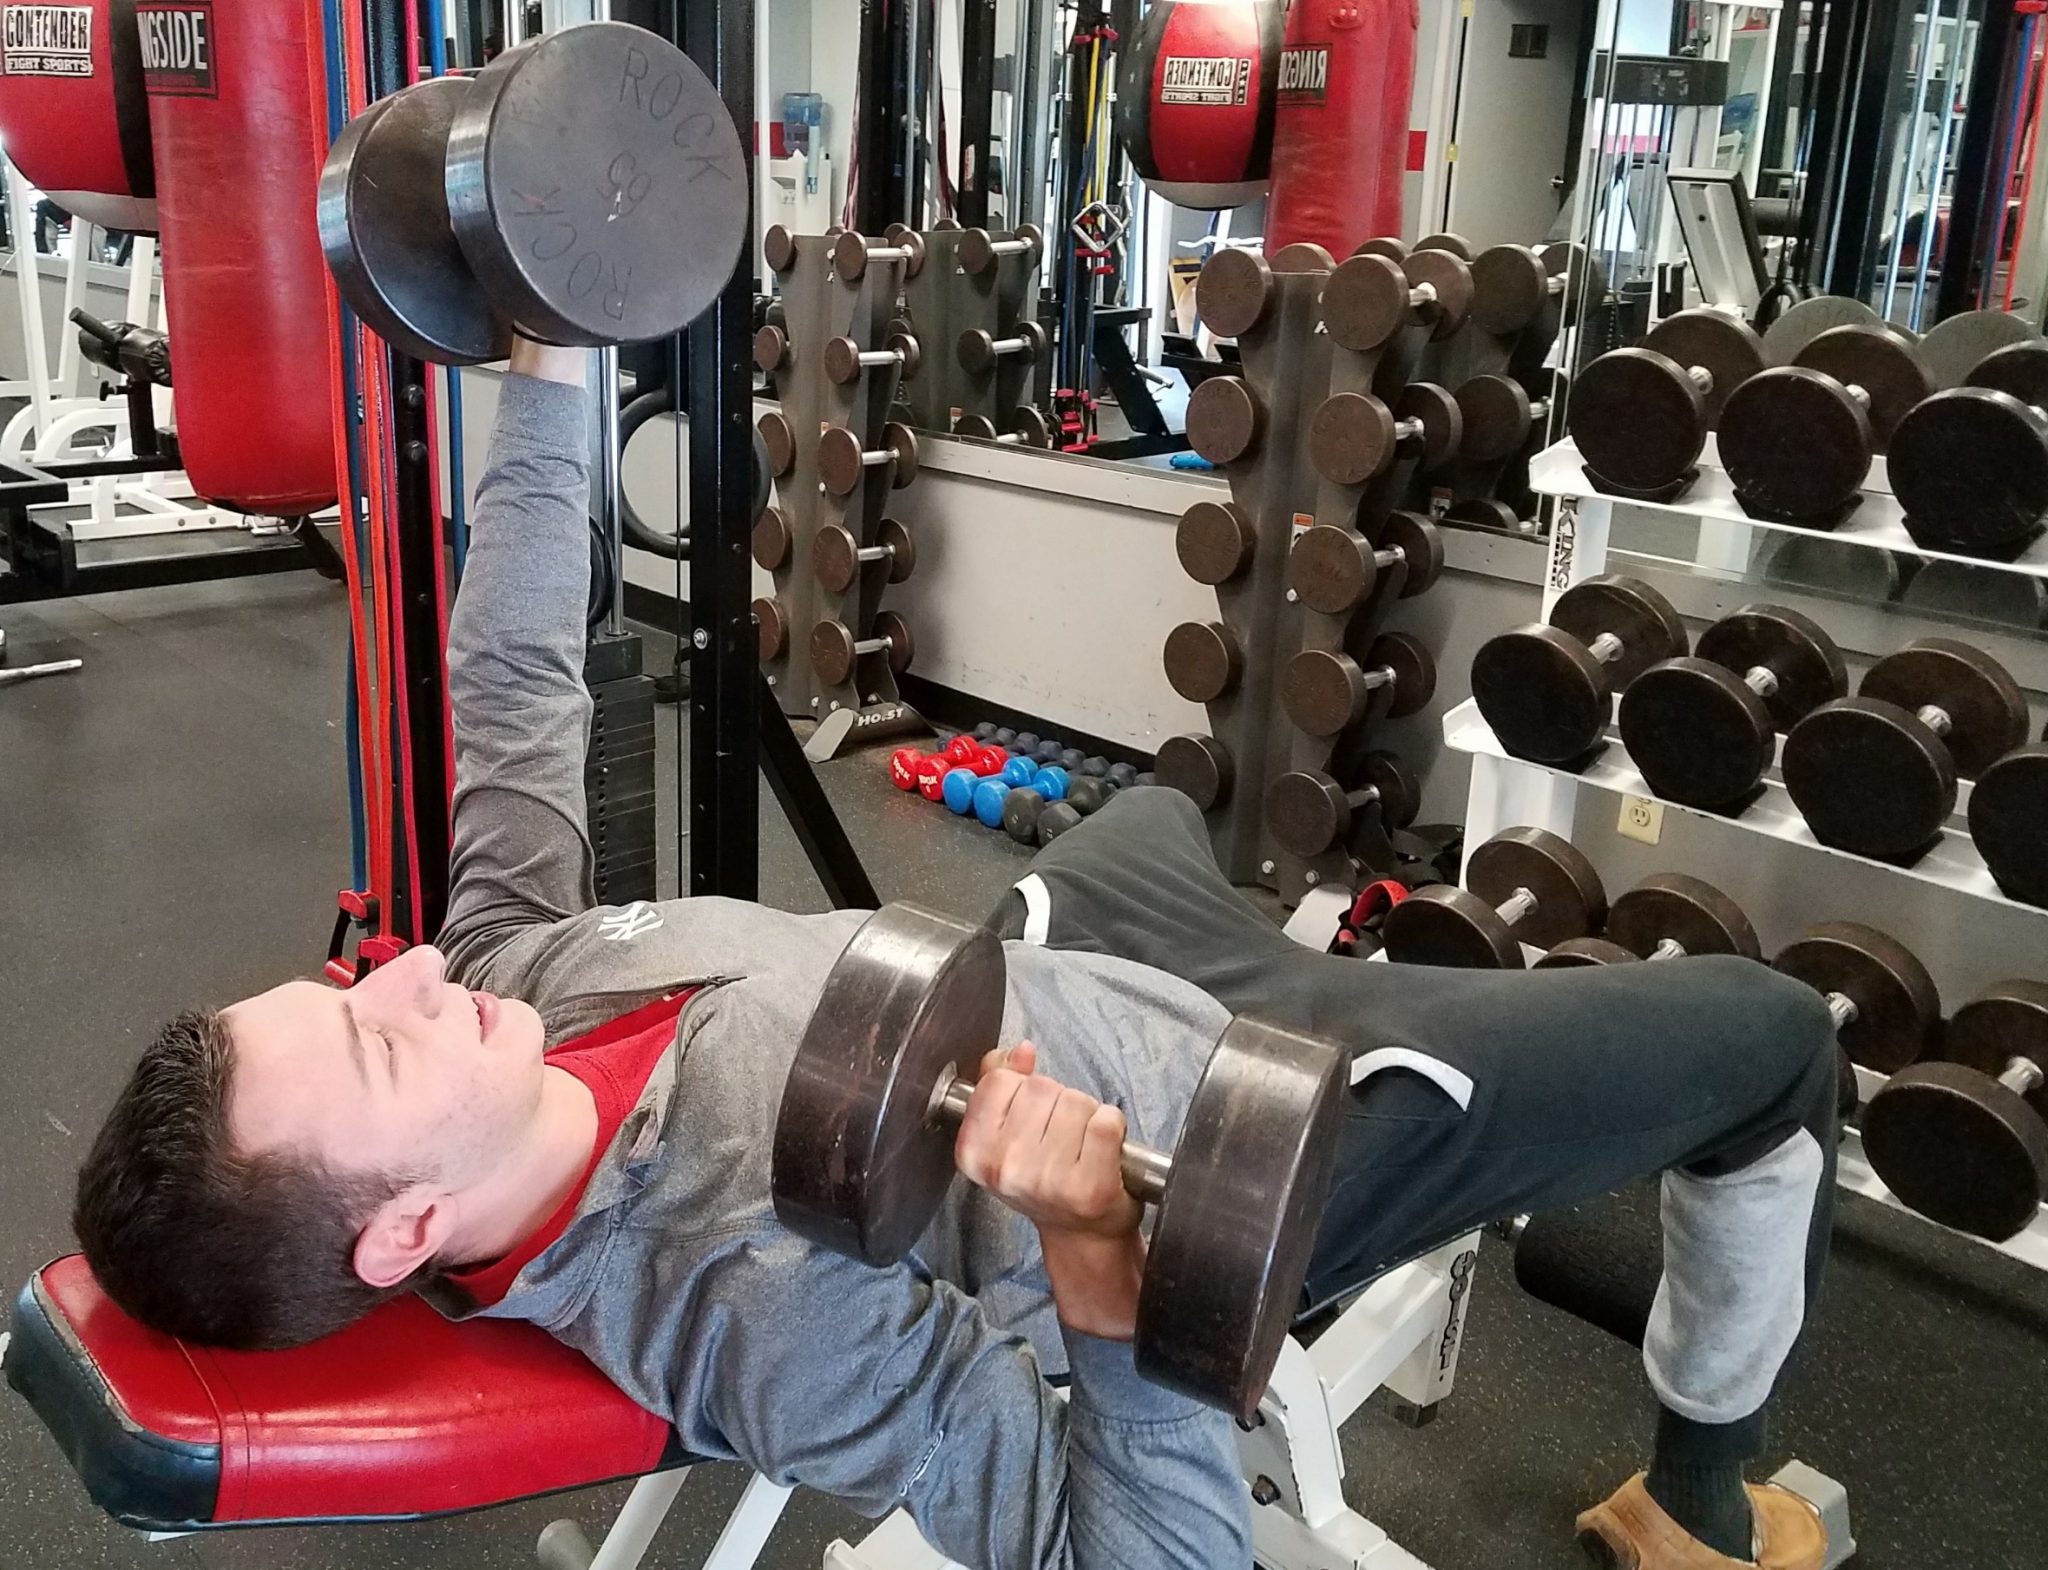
{"x":1037,"y":908}
{"x":1733,"y":1293}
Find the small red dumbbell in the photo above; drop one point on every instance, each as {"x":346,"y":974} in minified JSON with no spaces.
{"x":961,"y":751}
{"x":988,"y":760}
{"x":903,"y":764}
{"x":931,"y":775}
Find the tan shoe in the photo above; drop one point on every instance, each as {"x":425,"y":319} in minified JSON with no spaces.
{"x":1630,"y":1531}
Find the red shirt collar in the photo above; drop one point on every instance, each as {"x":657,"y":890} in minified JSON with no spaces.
{"x":614,"y":1061}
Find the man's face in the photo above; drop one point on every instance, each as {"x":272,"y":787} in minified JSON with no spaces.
{"x":404,"y":1073}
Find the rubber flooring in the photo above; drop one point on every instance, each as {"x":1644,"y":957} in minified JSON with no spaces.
{"x":173,"y":829}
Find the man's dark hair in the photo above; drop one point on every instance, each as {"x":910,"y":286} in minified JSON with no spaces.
{"x":198,"y":1241}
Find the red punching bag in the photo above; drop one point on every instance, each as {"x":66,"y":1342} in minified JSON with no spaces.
{"x":1195,"y":99}
{"x":1340,"y":123}
{"x":239,"y":140}
{"x":72,"y":110}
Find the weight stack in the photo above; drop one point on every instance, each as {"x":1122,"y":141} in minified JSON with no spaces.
{"x":943,"y":301}
{"x":618,"y":770}
{"x":837,"y":299}
{"x":1266,"y":432}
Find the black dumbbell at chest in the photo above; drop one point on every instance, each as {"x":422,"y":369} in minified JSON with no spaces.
{"x":1523,"y":886}
{"x":1876,"y":774}
{"x":1641,"y":416}
{"x":1970,"y":465}
{"x":1797,"y":440}
{"x":1964,"y":1141}
{"x":1548,"y":689}
{"x":1666,"y":916}
{"x":1309,"y":811}
{"x":864,"y":1147}
{"x":1702,"y":728}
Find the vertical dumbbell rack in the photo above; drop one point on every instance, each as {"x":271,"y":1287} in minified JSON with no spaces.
{"x":942,"y":302}
{"x":1506,"y":792}
{"x":821,"y":305}
{"x":1260,"y":428}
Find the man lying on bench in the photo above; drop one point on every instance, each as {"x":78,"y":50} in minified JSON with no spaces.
{"x":274,"y":1170}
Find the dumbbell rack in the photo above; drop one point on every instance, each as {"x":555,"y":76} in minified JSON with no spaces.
{"x":941,"y":302}
{"x":1290,"y":367}
{"x":1506,"y":791}
{"x":818,"y":306}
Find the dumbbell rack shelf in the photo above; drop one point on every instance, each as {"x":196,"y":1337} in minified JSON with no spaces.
{"x":1951,"y":864}
{"x":1509,"y":791}
{"x":1878,"y":522}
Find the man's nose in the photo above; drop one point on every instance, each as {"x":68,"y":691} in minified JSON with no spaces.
{"x":417,"y":978}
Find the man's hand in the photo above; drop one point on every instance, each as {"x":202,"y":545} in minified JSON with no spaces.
{"x":545,"y":362}
{"x":1053,"y":1155}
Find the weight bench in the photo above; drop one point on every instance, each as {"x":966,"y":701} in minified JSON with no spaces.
{"x":407,"y":1415}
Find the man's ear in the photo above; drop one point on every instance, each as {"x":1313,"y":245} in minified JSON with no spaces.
{"x":405,"y":1233}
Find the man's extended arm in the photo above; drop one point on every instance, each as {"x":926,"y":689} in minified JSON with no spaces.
{"x":520,"y":854}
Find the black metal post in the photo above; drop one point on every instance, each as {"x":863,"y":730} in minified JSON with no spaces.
{"x":1026,"y":173}
{"x":1963,"y":259}
{"x":880,"y":198}
{"x":1873,"y":141}
{"x":1834,"y":89}
{"x":977,"y":101}
{"x":725,"y":830}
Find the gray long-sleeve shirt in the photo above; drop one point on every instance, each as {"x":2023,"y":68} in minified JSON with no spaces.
{"x":923,"y":1386}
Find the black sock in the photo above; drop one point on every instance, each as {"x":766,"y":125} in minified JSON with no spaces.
{"x":1696,"y":1476}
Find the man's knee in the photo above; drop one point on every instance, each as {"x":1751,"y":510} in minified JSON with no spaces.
{"x":1775,"y":1042}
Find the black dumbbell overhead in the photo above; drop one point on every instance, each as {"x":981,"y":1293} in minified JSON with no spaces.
{"x":1523,"y":886}
{"x":1547,"y":690}
{"x":1334,"y":569}
{"x":980,"y":350}
{"x":1970,"y":464}
{"x":1702,"y":729}
{"x":1641,"y":416}
{"x":426,"y":214}
{"x":864,"y":1140}
{"x":1666,"y":916}
{"x":1964,"y":1141}
{"x":1308,"y":811}
{"x":1797,"y":440}
{"x":1876,"y":774}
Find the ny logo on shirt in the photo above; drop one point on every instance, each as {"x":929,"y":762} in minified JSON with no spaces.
{"x":622,"y":926}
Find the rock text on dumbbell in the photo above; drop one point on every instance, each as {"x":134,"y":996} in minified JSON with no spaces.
{"x":660,"y":102}
{"x":560,"y":237}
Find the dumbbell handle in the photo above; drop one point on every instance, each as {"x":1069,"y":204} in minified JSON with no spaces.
{"x":1935,"y":719}
{"x":1422,"y":294}
{"x":1517,"y":905}
{"x":1842,"y":1009}
{"x":1761,"y":680}
{"x":1667,"y":948}
{"x":1381,"y":675}
{"x":1008,"y":247}
{"x":1407,"y":429}
{"x":1605,"y":647}
{"x":887,"y":253}
{"x":1008,"y":345}
{"x":1539,"y":408}
{"x":1700,"y":377}
{"x":875,"y":553}
{"x":878,"y":356}
{"x":870,"y":645}
{"x":873,"y":457}
{"x":1145,"y":1170}
{"x":2023,"y":1076}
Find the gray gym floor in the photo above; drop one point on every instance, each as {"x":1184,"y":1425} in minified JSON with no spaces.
{"x":173,"y":829}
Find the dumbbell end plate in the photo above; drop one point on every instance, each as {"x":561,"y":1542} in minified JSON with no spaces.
{"x":1230,"y":1249}
{"x":1959,"y":1148}
{"x":858,"y":1165}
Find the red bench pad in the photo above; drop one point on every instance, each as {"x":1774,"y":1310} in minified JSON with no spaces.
{"x":405,"y":1414}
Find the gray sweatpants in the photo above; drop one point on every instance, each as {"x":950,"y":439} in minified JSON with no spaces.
{"x":1481,"y":1094}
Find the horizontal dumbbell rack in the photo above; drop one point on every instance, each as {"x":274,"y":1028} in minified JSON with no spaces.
{"x":941,"y":302}
{"x":819,"y":306}
{"x":1290,"y":369}
{"x":1509,"y":791}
